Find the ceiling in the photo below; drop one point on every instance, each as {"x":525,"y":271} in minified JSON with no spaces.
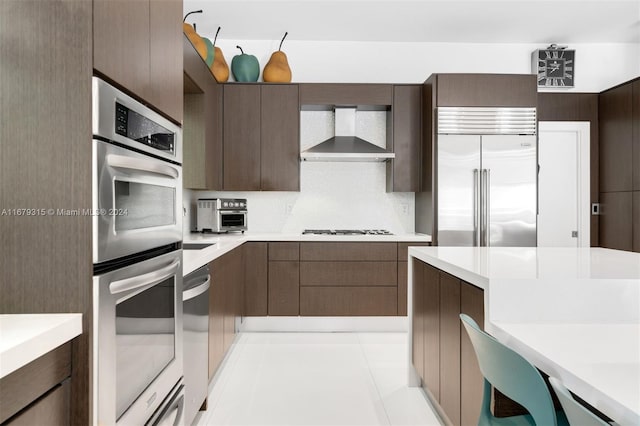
{"x":456,"y":21}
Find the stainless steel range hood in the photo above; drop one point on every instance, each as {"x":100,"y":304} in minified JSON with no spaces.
{"x":345,"y":146}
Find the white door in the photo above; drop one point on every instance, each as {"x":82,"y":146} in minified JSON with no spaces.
{"x":563,"y":184}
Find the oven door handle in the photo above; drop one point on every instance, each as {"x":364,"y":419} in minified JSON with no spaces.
{"x":144,"y":280}
{"x":151,"y":166}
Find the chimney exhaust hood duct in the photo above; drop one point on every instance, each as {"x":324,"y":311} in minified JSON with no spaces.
{"x":345,"y":146}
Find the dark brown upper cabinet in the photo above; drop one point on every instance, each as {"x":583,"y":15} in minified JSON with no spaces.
{"x":202,"y":127}
{"x":403,"y":172}
{"x":137,"y":45}
{"x":280,"y":138}
{"x":261,"y":137}
{"x":346,"y":94}
{"x":486,"y":90}
{"x":616,"y":160}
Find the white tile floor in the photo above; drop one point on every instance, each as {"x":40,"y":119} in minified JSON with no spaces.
{"x":317,"y":379}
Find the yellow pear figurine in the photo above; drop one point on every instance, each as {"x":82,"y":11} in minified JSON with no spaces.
{"x":277,"y":69}
{"x":219,"y":68}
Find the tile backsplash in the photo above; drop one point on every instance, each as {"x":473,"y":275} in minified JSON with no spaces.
{"x":332,"y":194}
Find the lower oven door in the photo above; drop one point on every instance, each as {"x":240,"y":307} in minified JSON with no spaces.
{"x":138,"y":338}
{"x":137,"y":202}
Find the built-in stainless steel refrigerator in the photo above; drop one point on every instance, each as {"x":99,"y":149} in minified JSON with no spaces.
{"x":486,"y":177}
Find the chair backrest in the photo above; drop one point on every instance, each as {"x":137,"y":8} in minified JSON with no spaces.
{"x":511,"y":374}
{"x":576,"y":413}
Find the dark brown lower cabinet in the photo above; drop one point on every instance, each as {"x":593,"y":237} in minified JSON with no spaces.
{"x":616,"y":220}
{"x":402,"y":289}
{"x":39,"y":392}
{"x":348,"y":301}
{"x":450,"y":347}
{"x":255,"y":286}
{"x":446,"y":361}
{"x":636,"y":220}
{"x":284,"y":288}
{"x":225,"y":304}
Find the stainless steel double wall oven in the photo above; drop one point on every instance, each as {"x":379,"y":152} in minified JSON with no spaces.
{"x":137,"y":257}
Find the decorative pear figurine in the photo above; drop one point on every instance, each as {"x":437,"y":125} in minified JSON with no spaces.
{"x":277,"y":69}
{"x":245,"y":68}
{"x":203,"y":45}
{"x":220,"y":69}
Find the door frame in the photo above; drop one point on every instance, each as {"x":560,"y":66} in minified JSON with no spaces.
{"x":582,"y":129}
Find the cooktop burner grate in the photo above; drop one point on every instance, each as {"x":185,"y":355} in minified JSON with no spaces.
{"x":346,"y":232}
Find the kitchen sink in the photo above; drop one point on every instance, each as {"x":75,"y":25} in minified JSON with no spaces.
{"x":196,"y":246}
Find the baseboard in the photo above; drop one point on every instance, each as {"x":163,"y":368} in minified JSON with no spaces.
{"x":324,"y":324}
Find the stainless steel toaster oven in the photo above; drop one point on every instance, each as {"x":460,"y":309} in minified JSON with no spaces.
{"x":218,"y":215}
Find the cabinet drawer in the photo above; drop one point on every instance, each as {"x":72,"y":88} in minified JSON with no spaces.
{"x":348,"y":273}
{"x":284,"y":285}
{"x":403,"y":249}
{"x":53,"y":409}
{"x":348,"y":301}
{"x":25,"y":385}
{"x":348,"y":251}
{"x":284,"y":251}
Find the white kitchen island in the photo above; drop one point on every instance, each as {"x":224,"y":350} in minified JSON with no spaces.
{"x":574,"y":313}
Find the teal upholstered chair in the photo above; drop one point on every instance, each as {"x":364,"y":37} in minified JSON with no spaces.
{"x":577,"y":414}
{"x":515,"y":377}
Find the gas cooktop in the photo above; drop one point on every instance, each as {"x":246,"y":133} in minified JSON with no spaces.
{"x":346,"y":232}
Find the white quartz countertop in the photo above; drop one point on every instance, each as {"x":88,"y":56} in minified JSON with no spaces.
{"x":26,"y":337}
{"x":193,"y":259}
{"x":574,"y":313}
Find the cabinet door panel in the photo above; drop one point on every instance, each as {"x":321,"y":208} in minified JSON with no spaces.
{"x":403,"y":172}
{"x":280,"y":140}
{"x":284,"y":251}
{"x":417,"y":320}
{"x":51,"y":410}
{"x":165,"y":57}
{"x":121,"y":43}
{"x":402,"y":288}
{"x":284,"y":288}
{"x":348,"y":273}
{"x":614,"y":116}
{"x":471,"y":381}
{"x":241,"y":133}
{"x":616,"y":220}
{"x":256,"y":276}
{"x":348,"y":251}
{"x":636,"y":135}
{"x":431,"y":302}
{"x":636,"y":221}
{"x":348,"y":301}
{"x":450,"y":346}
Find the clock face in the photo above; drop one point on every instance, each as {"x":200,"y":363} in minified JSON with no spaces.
{"x":555,"y":67}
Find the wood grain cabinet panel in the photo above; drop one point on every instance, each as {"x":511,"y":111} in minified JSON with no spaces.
{"x":121,"y":39}
{"x":417,"y":320}
{"x":256,"y":279}
{"x":348,"y":301}
{"x":471,"y":380}
{"x":346,"y":94}
{"x":51,"y":410}
{"x":241,"y":130}
{"x":402,"y":288}
{"x":431,"y":302}
{"x":280,"y":138}
{"x":284,"y":288}
{"x":616,"y":160}
{"x":487,"y":90}
{"x":345,"y":251}
{"x":23,"y":386}
{"x":348,"y":273}
{"x":616,"y":222}
{"x":165,"y":57}
{"x":403,"y":172}
{"x":636,"y":135}
{"x":284,"y":251}
{"x":450,"y":346}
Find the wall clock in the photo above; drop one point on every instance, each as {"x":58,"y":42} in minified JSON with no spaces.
{"x":554,"y":66}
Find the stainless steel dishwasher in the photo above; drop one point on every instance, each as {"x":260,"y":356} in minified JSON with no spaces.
{"x":195,"y":297}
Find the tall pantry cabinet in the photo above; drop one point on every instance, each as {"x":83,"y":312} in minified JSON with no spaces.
{"x":48,"y":54}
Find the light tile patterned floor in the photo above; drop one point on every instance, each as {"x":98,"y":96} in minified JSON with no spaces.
{"x":317,"y":379}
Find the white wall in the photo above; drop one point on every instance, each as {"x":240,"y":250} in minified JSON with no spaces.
{"x":598,"y":66}
{"x":332,"y":195}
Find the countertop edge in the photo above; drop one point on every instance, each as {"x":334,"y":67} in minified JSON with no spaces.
{"x":479,"y":281}
{"x":47,"y":333}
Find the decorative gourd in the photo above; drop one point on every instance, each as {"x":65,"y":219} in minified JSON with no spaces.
{"x":245,"y":68}
{"x":219,"y":68}
{"x":277,"y":69}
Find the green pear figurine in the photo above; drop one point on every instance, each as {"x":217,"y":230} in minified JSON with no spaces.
{"x":245,"y":68}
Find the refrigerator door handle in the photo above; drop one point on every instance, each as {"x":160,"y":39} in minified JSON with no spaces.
{"x":487,"y":206}
{"x":476,"y":207}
